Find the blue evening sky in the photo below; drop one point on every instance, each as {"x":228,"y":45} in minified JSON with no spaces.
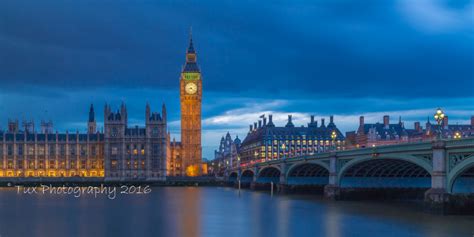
{"x":327,"y":57}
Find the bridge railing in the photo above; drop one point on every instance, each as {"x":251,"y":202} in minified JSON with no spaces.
{"x":390,"y":148}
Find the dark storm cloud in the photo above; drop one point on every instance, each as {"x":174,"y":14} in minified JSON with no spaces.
{"x":398,"y":57}
{"x":324,"y":47}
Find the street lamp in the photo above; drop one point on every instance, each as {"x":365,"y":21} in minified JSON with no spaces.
{"x":439,"y":116}
{"x":457,"y":135}
{"x":333,"y":137}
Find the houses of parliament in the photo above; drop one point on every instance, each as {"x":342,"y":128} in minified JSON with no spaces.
{"x":119,"y":152}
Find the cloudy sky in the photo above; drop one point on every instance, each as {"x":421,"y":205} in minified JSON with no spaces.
{"x":401,"y":58}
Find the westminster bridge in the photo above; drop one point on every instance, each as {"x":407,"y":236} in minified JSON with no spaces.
{"x":443,"y":170}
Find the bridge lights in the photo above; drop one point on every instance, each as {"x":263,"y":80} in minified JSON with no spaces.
{"x":439,"y":116}
{"x":333,"y":137}
{"x":457,"y":135}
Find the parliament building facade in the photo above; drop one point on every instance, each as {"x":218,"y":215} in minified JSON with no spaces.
{"x":119,"y":152}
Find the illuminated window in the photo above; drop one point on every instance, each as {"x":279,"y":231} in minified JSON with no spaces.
{"x":114,"y":150}
{"x":41,"y":150}
{"x":114,"y":164}
{"x":31,"y":150}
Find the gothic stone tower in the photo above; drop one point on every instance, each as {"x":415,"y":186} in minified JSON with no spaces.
{"x":91,"y":123}
{"x":190,"y":94}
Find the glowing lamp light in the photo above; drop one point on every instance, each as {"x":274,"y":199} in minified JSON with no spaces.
{"x":439,"y":116}
{"x":457,"y":135}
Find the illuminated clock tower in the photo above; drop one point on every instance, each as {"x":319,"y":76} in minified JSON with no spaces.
{"x":191,"y":94}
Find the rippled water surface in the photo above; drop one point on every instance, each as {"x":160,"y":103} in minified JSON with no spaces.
{"x":210,"y":211}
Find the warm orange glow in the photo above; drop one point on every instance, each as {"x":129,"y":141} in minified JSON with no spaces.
{"x":192,"y":171}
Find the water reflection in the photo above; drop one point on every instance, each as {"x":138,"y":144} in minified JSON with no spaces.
{"x":195,"y":212}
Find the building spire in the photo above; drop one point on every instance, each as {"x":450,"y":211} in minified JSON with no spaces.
{"x":91,"y":114}
{"x":191,"y":57}
{"x":191,"y":46}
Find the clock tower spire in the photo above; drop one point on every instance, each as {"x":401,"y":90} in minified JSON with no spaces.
{"x":190,"y":97}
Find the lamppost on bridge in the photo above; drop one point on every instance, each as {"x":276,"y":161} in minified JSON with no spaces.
{"x":333,"y":137}
{"x":457,"y":135}
{"x":439,"y":116}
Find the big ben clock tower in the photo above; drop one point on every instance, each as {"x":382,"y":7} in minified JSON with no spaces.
{"x":191,"y":94}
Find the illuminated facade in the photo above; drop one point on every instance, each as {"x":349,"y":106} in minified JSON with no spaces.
{"x":119,"y":153}
{"x":386,"y":133}
{"x":26,"y":153}
{"x":190,"y":149}
{"x":265,"y":141}
{"x":226,"y":158}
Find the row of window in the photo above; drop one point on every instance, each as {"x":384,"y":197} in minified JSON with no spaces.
{"x":52,"y":165}
{"x":300,"y":142}
{"x":114,"y":164}
{"x":41,"y":150}
{"x":135,"y":149}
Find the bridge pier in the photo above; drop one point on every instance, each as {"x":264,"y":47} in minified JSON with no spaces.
{"x":437,"y":198}
{"x":332,"y":190}
{"x":282,"y":186}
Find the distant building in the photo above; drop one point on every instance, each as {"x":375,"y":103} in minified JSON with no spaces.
{"x":449,"y":131}
{"x":265,"y":141}
{"x":386,"y":133}
{"x":226,"y":158}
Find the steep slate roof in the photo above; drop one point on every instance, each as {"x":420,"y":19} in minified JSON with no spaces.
{"x":391,"y":132}
{"x":191,"y":67}
{"x":311,"y":133}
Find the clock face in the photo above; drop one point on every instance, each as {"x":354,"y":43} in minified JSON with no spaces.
{"x":191,"y":88}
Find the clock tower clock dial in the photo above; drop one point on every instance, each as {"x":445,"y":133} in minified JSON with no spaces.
{"x":190,"y":97}
{"x":190,"y":88}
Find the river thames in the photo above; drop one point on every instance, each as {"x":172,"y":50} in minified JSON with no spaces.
{"x":212,"y":211}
